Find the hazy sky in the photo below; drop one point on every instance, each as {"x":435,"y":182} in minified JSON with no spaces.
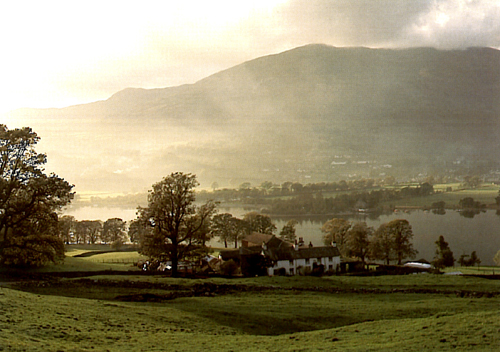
{"x":60,"y":53}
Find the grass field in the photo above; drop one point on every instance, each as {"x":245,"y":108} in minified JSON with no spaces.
{"x":407,"y":313}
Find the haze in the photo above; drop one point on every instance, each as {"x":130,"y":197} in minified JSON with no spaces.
{"x":58,"y":54}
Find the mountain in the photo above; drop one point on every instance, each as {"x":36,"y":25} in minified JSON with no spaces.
{"x":314,"y":113}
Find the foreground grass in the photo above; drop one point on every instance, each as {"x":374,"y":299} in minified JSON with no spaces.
{"x":264,"y":314}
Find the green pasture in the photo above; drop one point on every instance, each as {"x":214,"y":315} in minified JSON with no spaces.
{"x":261,"y":314}
{"x":116,"y":258}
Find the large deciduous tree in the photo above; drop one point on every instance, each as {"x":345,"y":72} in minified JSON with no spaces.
{"x":179,"y":227}
{"x":358,"y":240}
{"x":228,"y":228}
{"x":288,"y":231}
{"x":29,"y":201}
{"x":113,"y":231}
{"x":260,"y":223}
{"x":392,"y":241}
{"x":336,"y":230}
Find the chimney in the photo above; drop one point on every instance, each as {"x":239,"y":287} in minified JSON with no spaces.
{"x":334,"y":244}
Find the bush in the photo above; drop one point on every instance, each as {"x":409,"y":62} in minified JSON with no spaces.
{"x":229,"y":268}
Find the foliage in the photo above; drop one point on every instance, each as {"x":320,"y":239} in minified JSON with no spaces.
{"x":113,"y":231}
{"x":179,"y":227}
{"x":260,"y":223}
{"x":228,"y":228}
{"x":287,"y":233}
{"x":472,"y":181}
{"x":496,"y":258}
{"x":336,"y":230}
{"x":229,"y":268}
{"x":29,"y":201}
{"x":472,"y":260}
{"x":444,"y":255}
{"x":66,"y":227}
{"x":88,"y":231}
{"x":470,"y":207}
{"x":392,"y":241}
{"x":358,"y":240}
{"x":136,"y":231}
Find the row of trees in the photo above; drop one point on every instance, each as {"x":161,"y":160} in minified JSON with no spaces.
{"x":390,"y":242}
{"x":444,"y":256}
{"x":171,"y":227}
{"x":112,"y":231}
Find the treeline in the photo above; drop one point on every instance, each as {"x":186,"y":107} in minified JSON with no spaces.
{"x":112,"y":231}
{"x":246,"y":193}
{"x":317,"y":204}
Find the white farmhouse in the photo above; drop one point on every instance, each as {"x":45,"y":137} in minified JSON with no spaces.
{"x":291,"y":259}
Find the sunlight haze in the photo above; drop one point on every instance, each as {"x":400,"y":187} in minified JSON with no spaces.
{"x":59,"y":53}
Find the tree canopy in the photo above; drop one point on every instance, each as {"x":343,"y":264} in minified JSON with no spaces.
{"x":29,"y":201}
{"x":179,"y":227}
{"x":392,"y":241}
{"x":444,"y":256}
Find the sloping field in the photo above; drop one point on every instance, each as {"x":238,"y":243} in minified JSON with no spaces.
{"x":261,"y":314}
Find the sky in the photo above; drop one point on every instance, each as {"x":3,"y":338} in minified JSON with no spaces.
{"x":62,"y":53}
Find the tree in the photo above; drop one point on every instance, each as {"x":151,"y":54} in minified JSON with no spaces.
{"x":471,"y":261}
{"x":259,"y":223}
{"x":288,"y":231}
{"x":392,"y":241}
{"x":113,"y":231}
{"x":381,"y":246}
{"x":496,"y":258}
{"x":178,"y":226}
{"x":93,"y":230}
{"x":29,"y":201}
{"x":402,"y":234}
{"x":227,"y":228}
{"x":136,"y":231}
{"x":66,"y":227}
{"x":358,"y":240}
{"x":472,"y":181}
{"x":474,"y":260}
{"x":336,"y":230}
{"x":444,"y":255}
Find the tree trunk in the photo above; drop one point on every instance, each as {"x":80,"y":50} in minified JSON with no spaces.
{"x":175,"y":260}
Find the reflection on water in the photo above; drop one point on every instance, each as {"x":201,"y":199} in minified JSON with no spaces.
{"x":480,"y":233}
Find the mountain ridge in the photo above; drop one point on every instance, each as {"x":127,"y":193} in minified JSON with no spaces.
{"x":286,"y":116}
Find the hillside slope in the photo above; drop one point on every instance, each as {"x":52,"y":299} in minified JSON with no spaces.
{"x":286,"y":117}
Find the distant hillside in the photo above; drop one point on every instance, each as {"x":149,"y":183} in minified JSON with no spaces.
{"x":315,"y":113}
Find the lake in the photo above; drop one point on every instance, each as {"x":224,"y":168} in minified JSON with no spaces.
{"x":480,"y":234}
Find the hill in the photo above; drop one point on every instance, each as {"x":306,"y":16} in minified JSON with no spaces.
{"x":314,"y":113}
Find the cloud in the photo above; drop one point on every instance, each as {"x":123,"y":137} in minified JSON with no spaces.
{"x":458,"y":24}
{"x":58,"y":53}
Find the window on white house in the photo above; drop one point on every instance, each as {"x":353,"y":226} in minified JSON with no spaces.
{"x":291,"y":271}
{"x":291,"y":262}
{"x":307,"y":261}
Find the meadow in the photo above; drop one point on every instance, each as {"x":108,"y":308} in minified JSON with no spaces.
{"x":137,"y":312}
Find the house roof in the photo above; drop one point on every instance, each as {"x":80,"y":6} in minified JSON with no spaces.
{"x":290,"y":253}
{"x":256,"y":239}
